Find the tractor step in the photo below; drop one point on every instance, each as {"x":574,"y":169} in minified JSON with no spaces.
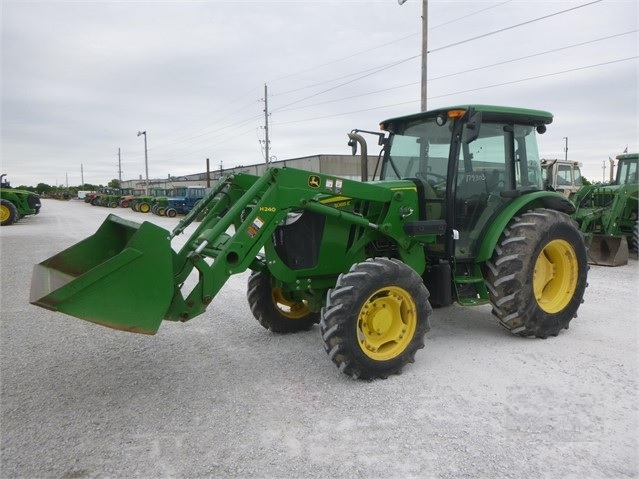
{"x":471,"y":288}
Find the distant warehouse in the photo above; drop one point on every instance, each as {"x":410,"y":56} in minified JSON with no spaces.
{"x":344,"y":166}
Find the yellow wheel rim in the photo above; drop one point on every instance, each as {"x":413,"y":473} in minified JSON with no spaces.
{"x":288,"y":308}
{"x":144,"y":208}
{"x":4,"y":213}
{"x":386,"y":323}
{"x":556,"y":275}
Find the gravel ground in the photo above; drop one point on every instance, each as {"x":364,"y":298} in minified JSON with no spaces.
{"x":222,"y":397}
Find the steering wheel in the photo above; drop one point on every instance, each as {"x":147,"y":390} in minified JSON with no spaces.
{"x":424,"y":175}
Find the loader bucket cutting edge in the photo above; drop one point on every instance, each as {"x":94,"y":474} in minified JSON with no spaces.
{"x":120,"y":277}
{"x":608,"y":250}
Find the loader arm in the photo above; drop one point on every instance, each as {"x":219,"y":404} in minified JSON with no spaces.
{"x":127,"y":276}
{"x":254,"y":207}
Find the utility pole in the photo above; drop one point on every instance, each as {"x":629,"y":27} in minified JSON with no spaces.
{"x":146,"y":160}
{"x":566,"y":148}
{"x":424,"y":50}
{"x":82,"y":173}
{"x":119,"y":168}
{"x":612,"y":169}
{"x":266,"y":141}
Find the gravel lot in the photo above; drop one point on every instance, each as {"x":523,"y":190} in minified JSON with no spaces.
{"x":222,"y":397}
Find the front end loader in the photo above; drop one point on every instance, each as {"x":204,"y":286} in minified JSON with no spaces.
{"x":456,"y":211}
{"x":608,"y":214}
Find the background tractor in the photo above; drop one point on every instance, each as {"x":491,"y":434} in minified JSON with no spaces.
{"x":128,"y":196}
{"x":607,"y":214}
{"x":456,"y":211}
{"x":183,"y":202}
{"x":145,"y":203}
{"x":563,"y":176}
{"x":161,"y":203}
{"x":16,"y":203}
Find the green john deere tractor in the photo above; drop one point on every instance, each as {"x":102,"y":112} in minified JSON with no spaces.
{"x":16,"y":204}
{"x":608,"y":214}
{"x":455,"y":211}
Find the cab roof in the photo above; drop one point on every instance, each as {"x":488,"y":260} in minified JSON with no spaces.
{"x":523,"y":116}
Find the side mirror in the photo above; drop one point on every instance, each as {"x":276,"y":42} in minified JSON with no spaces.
{"x":471,"y":129}
{"x":353,"y":144}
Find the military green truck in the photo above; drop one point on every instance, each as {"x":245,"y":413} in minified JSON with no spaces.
{"x":16,"y":204}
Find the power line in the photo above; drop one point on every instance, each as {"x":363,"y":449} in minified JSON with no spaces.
{"x":512,"y":26}
{"x":216,"y":134}
{"x":387,"y":43}
{"x":343,"y":84}
{"x":464,"y":91}
{"x":373,"y":71}
{"x":341,"y":78}
{"x":539,"y":76}
{"x":512,"y":60}
{"x":399,"y":62}
{"x":226,"y":117}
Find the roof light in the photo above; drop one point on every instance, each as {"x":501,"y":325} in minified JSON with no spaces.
{"x":456,"y":113}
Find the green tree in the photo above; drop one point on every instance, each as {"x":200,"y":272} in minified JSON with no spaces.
{"x":43,"y":188}
{"x":114,"y":183}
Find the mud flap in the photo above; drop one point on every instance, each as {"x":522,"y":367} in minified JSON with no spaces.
{"x":608,"y":250}
{"x":120,"y":277}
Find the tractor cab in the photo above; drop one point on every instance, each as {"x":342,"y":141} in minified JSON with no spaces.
{"x":468,"y":163}
{"x":627,"y":169}
{"x":474,"y":168}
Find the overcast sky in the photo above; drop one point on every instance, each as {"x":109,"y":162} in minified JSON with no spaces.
{"x":81,"y":78}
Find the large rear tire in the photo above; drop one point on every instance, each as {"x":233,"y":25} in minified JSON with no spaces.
{"x":537,"y":276}
{"x":635,"y":237}
{"x":375,"y":318}
{"x":8,"y":213}
{"x":274,"y":311}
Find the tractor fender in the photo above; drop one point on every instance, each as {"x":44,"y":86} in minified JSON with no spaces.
{"x":528,"y":201}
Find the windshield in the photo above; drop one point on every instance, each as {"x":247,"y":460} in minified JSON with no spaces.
{"x":627,"y":172}
{"x":419,"y":150}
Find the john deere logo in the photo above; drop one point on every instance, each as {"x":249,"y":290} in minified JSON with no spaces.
{"x":314,"y":181}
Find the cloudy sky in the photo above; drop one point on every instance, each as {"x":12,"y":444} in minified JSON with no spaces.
{"x":81,"y":78}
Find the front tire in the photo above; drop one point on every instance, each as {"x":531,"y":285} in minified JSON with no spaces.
{"x":8,"y":213}
{"x":537,"y":275}
{"x":274,"y":311}
{"x":375,"y":318}
{"x":144,"y":207}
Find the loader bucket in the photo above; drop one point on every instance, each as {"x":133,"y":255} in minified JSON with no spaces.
{"x":120,"y":277}
{"x":608,"y":250}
